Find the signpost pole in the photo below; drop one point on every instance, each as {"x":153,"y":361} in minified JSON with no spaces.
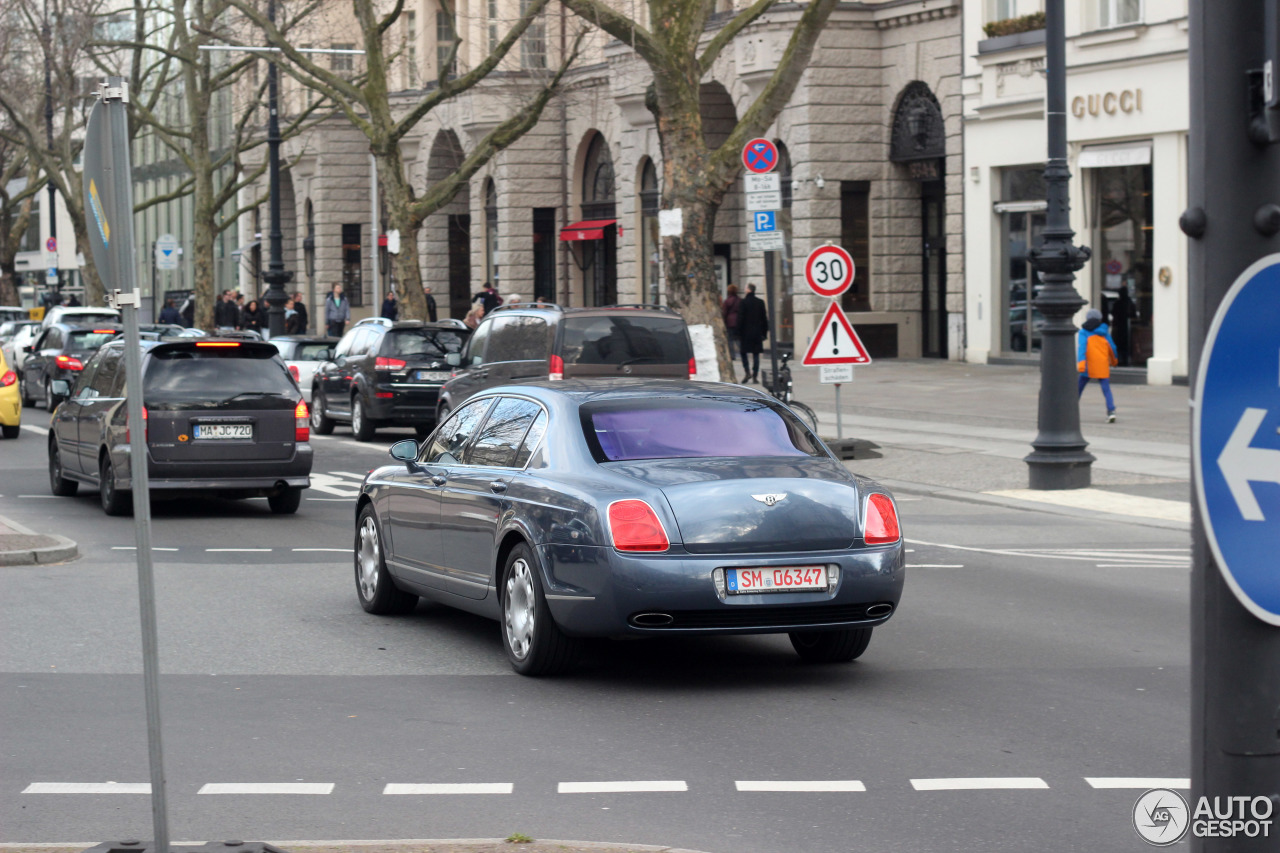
{"x":773,"y":337}
{"x":108,"y":176}
{"x":839,"y":418}
{"x":1233,"y":222}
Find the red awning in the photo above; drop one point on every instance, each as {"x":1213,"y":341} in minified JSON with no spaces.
{"x":587,"y":229}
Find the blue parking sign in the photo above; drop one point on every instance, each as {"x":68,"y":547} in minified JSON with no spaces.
{"x":1235,"y":443}
{"x":765,"y":220}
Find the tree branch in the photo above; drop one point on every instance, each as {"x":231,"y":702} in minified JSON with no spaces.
{"x":183,"y":189}
{"x":729,"y":31}
{"x":619,"y":26}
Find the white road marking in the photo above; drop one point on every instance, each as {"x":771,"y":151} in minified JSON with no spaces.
{"x":935,"y":566}
{"x":333,"y":485}
{"x":267,"y":788}
{"x":135,"y":547}
{"x":979,"y":783}
{"x":88,"y":788}
{"x":43,"y":497}
{"x":1138,"y":556}
{"x":37,"y":430}
{"x":335,"y":550}
{"x":348,"y":474}
{"x":619,"y":787}
{"x":1136,"y":782}
{"x":830,"y":785}
{"x":340,"y":500}
{"x":454,"y":788}
{"x":1105,"y":503}
{"x":236,"y":550}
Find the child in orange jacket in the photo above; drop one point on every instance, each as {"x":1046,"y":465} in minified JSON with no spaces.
{"x":1095,"y":356}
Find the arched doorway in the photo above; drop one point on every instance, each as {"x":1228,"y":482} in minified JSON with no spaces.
{"x":919,"y":144}
{"x":650,"y":243}
{"x":599,"y":203}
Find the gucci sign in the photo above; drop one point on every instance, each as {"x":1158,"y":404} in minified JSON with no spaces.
{"x":1128,"y":101}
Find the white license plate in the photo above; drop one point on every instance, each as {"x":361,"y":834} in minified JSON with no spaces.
{"x":432,"y":376}
{"x":207,"y":431}
{"x":781,"y":579}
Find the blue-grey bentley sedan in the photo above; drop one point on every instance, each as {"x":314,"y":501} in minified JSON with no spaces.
{"x":611,"y":508}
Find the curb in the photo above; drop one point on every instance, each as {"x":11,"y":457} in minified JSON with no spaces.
{"x":62,"y":550}
{"x":403,"y":845}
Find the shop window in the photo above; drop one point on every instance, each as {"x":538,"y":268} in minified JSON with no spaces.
{"x":650,"y":244}
{"x":855,"y":237}
{"x":1123,"y":258}
{"x":1105,"y":14}
{"x":544,"y":254}
{"x":1022,"y":220}
{"x":352,"y":280}
{"x":491,"y":231}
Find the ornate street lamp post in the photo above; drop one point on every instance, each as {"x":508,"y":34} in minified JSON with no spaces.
{"x":276,"y":275}
{"x":1059,"y":460}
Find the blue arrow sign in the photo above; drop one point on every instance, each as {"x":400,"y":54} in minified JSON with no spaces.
{"x":764,"y":220}
{"x":1236,"y":438}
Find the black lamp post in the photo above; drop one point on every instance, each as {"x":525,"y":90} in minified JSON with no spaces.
{"x":276,"y":275}
{"x":1059,"y":460}
{"x":48,"y":132}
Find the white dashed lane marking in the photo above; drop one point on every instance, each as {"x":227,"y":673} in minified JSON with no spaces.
{"x":37,"y":430}
{"x":267,"y":788}
{"x":620,"y":787}
{"x":1144,"y":783}
{"x":450,"y":788}
{"x":334,"y":550}
{"x":820,"y":786}
{"x":135,"y":547}
{"x":237,"y":550}
{"x":979,"y":783}
{"x":88,"y":788}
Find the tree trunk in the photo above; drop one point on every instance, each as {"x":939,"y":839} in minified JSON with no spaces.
{"x":8,"y":288}
{"x":205,"y":229}
{"x":398,"y":196}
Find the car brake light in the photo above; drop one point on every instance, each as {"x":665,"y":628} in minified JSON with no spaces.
{"x":882,"y":521}
{"x":301,"y":422}
{"x":146,"y":427}
{"x":382,"y":363}
{"x":8,"y":379}
{"x":555,"y":366}
{"x":293,"y":371}
{"x":635,"y":527}
{"x":217,"y":344}
{"x":105,"y":331}
{"x":67,"y":362}
{"x":693,"y":367}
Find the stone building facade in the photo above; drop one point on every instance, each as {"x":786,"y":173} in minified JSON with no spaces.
{"x":871,"y":160}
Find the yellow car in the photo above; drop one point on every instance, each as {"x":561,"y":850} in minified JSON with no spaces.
{"x":10,"y":401}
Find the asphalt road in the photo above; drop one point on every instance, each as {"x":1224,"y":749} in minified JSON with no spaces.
{"x":1033,"y":653}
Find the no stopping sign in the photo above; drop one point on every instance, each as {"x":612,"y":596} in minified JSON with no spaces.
{"x":829,"y":271}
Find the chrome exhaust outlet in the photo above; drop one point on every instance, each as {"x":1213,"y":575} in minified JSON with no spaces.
{"x":875,"y":611}
{"x":652,"y":620}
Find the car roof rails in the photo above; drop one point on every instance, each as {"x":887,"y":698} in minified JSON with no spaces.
{"x":551,"y":305}
{"x":376,"y":321}
{"x":652,"y":306}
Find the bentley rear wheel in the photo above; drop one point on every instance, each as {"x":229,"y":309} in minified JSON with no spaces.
{"x":534,"y":643}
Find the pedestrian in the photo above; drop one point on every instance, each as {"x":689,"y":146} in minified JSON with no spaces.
{"x":753,"y":329}
{"x":475,"y":315}
{"x":73,"y":302}
{"x":337,"y":312}
{"x":1095,"y":356}
{"x":300,"y":306}
{"x":489,"y":296}
{"x":291,"y":318}
{"x":513,"y":299}
{"x":390,"y":310}
{"x":238,"y":302}
{"x":169,"y":314}
{"x":431,"y":304}
{"x":729,"y":309}
{"x":251,"y":317}
{"x":225,"y":313}
{"x":188,"y":311}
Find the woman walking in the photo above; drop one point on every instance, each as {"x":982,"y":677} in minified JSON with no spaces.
{"x":730,"y":309}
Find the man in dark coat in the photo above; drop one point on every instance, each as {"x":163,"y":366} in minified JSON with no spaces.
{"x":488,"y":297}
{"x":169,"y":314}
{"x":300,"y":306}
{"x":753,"y":328}
{"x":432,"y":311}
{"x":225,"y":314}
{"x":390,"y":309}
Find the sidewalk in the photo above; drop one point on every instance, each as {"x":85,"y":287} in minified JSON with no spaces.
{"x":963,"y":429}
{"x":22,"y":547}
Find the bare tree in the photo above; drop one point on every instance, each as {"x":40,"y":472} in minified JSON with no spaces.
{"x":680,"y":53}
{"x":370,"y":106}
{"x":15,"y":163}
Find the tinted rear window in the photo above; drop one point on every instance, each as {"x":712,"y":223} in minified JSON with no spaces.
{"x":243,"y":377}
{"x":630,"y":339}
{"x":303,"y":350}
{"x":90,"y":319}
{"x":90,"y":339}
{"x":436,"y":343}
{"x":693,"y":428}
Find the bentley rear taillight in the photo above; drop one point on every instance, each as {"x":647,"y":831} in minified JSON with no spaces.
{"x":635,"y":527}
{"x":555,"y":367}
{"x":882,"y":521}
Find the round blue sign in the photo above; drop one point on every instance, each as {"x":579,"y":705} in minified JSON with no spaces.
{"x":1235,"y":441}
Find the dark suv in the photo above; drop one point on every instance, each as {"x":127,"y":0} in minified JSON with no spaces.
{"x":220,"y":416}
{"x":385,"y":374}
{"x":540,"y":340}
{"x":60,"y":352}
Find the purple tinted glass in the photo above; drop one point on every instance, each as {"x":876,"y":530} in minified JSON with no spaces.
{"x":695,"y":428}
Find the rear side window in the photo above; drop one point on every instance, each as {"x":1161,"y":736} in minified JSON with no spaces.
{"x":518,"y":339}
{"x":310,"y":352}
{"x":692,"y":428}
{"x":110,"y":366}
{"x":433,"y":343}
{"x":212,"y":376}
{"x":629,"y":339}
{"x":532,"y":439}
{"x":90,"y":339}
{"x":451,"y":439}
{"x":503,"y":433}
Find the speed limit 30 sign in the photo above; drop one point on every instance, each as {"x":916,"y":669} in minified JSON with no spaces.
{"x":829,"y":271}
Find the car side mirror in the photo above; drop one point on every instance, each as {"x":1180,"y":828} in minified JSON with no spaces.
{"x":406,"y":451}
{"x":453,"y":359}
{"x":29,"y":349}
{"x":60,"y":387}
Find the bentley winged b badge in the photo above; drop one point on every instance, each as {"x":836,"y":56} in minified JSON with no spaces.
{"x":770,"y":500}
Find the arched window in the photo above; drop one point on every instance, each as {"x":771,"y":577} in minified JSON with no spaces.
{"x":598,"y":200}
{"x":650,"y":245}
{"x":599,"y":203}
{"x":491,"y":231}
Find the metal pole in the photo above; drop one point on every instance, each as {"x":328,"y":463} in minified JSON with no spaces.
{"x":773,"y":338}
{"x":121,"y":269}
{"x":48,"y":132}
{"x":276,"y":276}
{"x":839,"y":418}
{"x":1234,"y":175}
{"x":1059,"y":460}
{"x":373,"y":234}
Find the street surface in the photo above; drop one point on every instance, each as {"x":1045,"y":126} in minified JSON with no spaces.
{"x":1033,"y":684}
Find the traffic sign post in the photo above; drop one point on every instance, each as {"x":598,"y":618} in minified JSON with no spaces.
{"x":759,"y":156}
{"x":167,"y":252}
{"x":829,"y":271}
{"x":835,"y":348}
{"x":764,"y":200}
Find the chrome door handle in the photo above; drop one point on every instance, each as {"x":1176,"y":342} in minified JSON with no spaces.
{"x":498,"y":486}
{"x":438,"y":479}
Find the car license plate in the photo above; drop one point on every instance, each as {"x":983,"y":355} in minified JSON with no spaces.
{"x":432,"y":376}
{"x":781,"y":579}
{"x":208,"y":431}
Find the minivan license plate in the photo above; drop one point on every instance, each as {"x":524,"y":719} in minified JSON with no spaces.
{"x":781,"y":579}
{"x":207,"y":431}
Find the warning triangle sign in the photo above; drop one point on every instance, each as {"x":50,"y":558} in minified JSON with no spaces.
{"x":835,"y":341}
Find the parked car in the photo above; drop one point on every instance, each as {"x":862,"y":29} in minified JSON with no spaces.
{"x":15,"y":349}
{"x":540,"y":340}
{"x":14,"y":312}
{"x":220,"y":417}
{"x":10,"y":401}
{"x":303,"y":354}
{"x":80,"y":314}
{"x":60,"y":353}
{"x":384,"y":374}
{"x":617,"y":508}
{"x":9,"y":328}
